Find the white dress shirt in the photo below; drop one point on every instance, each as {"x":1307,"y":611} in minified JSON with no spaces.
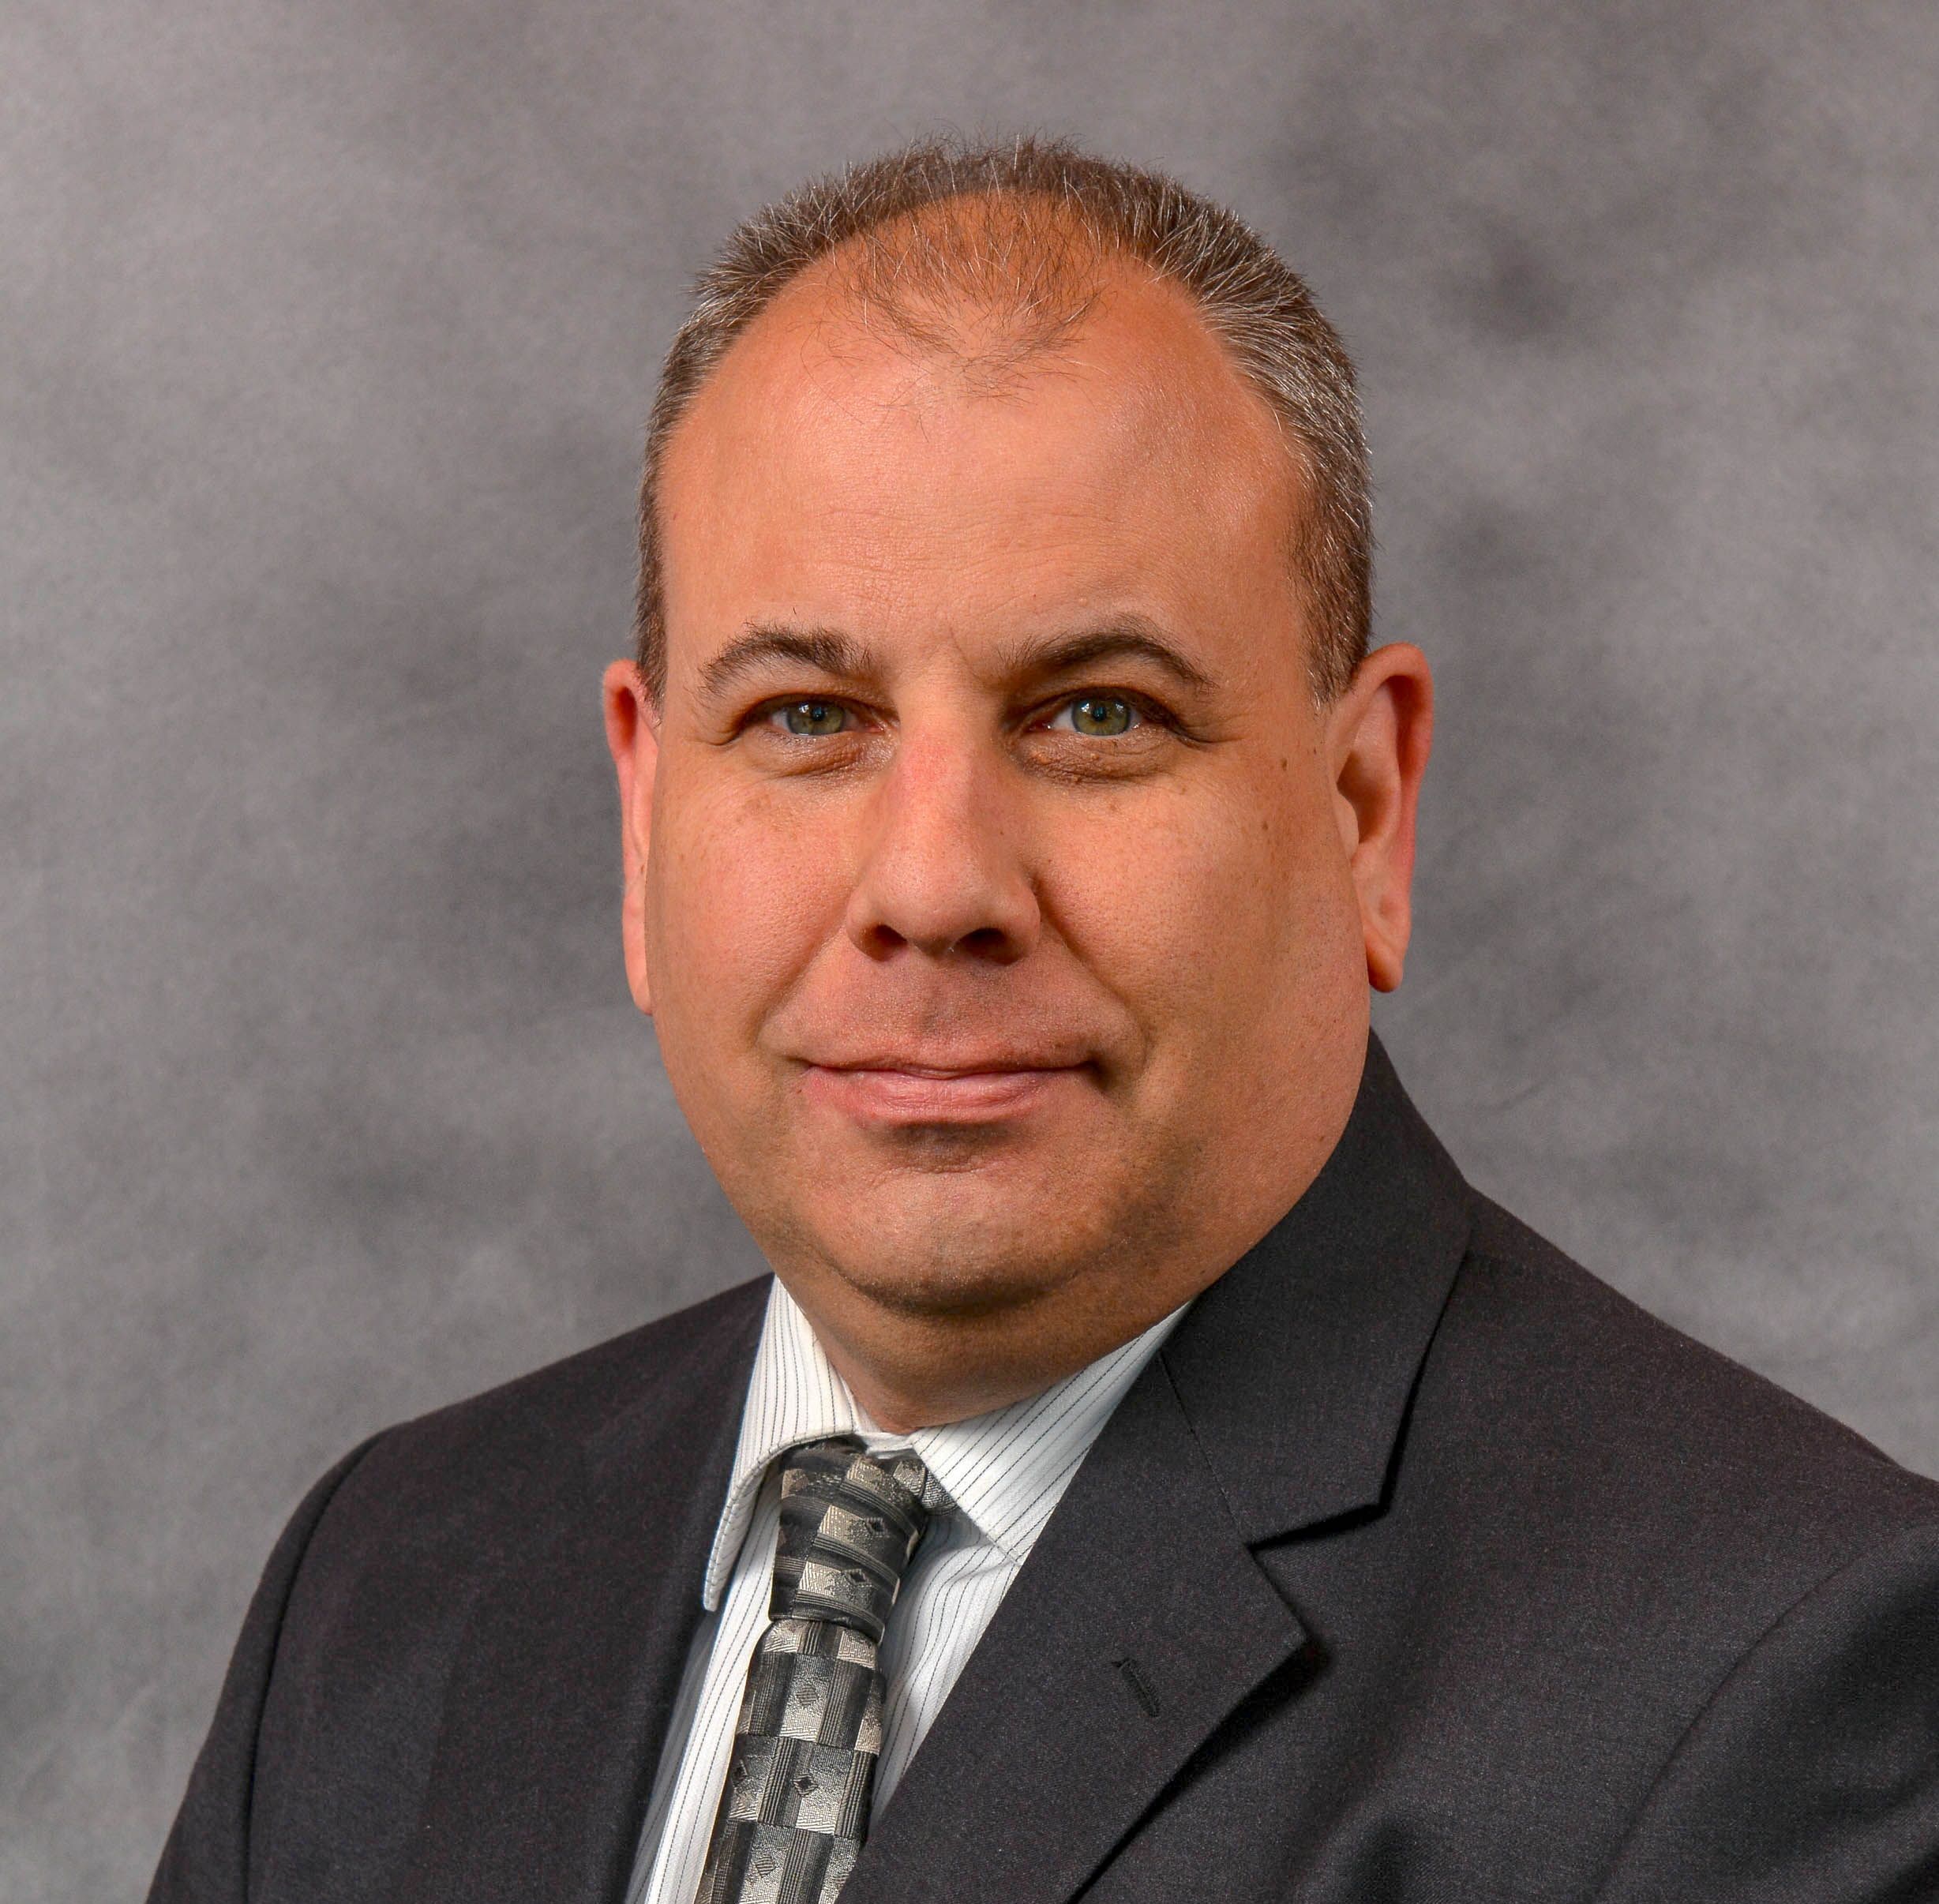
{"x":1005,"y":1471}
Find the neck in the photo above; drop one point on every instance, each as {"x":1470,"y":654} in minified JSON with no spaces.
{"x":909,"y":1377}
{"x":910,"y":1368}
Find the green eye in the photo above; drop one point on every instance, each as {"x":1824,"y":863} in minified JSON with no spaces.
{"x":814,"y":718}
{"x":1102,"y":715}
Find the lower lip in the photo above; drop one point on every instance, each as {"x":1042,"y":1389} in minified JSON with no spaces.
{"x":908,"y":1097}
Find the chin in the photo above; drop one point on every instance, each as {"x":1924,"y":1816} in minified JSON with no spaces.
{"x":938,"y":1261}
{"x":944,"y":1222}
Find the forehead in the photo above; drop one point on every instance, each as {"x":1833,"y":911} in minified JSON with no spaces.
{"x":833,"y":468}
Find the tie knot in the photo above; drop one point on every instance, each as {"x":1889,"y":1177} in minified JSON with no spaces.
{"x":849,"y":1526}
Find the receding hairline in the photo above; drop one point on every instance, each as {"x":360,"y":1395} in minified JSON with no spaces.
{"x":957,"y":327}
{"x":931,"y":238}
{"x":954,"y":307}
{"x":923,"y":267}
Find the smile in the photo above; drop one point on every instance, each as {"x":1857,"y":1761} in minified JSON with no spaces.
{"x":893,"y":1093}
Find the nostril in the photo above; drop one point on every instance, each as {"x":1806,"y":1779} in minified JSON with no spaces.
{"x":881,"y":941}
{"x":987,"y":942}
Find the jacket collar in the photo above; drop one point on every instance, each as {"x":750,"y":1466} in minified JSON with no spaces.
{"x":1006,"y":1470}
{"x":1295,"y":1369}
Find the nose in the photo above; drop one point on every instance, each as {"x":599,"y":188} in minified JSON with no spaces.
{"x":944,"y":872}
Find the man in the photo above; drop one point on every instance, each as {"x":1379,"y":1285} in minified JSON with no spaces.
{"x":1153,"y":1472}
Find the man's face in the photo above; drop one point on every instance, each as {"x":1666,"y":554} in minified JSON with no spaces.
{"x":999,"y":916}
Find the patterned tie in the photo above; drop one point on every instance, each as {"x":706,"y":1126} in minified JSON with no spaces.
{"x":795,"y":1809}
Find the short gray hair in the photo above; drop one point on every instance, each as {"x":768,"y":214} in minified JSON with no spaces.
{"x":1019,"y":229}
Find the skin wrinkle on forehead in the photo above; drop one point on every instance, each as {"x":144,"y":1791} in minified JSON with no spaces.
{"x":817,"y":332}
{"x":955,"y":315}
{"x":964,"y":290}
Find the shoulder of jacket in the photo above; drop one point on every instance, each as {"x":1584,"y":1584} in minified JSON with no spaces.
{"x":475,"y":1457}
{"x":1656,"y":1425}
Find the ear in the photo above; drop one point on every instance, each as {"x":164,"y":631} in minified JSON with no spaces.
{"x":632,"y":726}
{"x":1379,"y":733}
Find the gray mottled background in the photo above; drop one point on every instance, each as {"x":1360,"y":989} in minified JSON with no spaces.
{"x":325,"y":334}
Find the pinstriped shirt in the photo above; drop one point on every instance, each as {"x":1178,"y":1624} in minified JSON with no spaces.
{"x":1005,"y":1472}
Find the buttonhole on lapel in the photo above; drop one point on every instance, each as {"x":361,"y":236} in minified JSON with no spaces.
{"x":1133,"y":1677}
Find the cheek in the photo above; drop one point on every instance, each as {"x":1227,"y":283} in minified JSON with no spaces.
{"x":742,"y":891}
{"x":1206,"y":915}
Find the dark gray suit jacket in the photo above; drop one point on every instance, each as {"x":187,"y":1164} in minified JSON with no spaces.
{"x":1420,"y":1568}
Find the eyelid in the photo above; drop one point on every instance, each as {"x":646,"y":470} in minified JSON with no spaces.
{"x":1148,"y":708}
{"x":762,"y":712}
{"x":1142,"y":704}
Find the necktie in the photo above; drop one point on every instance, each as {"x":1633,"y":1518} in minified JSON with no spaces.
{"x":794,"y":1811}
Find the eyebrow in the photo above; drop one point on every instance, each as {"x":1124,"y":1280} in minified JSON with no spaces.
{"x":827,"y":650}
{"x":1132,"y":637}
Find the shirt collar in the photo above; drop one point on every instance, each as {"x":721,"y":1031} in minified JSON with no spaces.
{"x":1005,"y":1470}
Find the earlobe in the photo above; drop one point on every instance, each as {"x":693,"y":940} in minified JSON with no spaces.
{"x":633,"y":737}
{"x":1383,"y":730}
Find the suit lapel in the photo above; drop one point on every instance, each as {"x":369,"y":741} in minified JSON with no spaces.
{"x":1297,"y":1367}
{"x":1142,"y":1619}
{"x":1139,"y":1622}
{"x":572,"y":1656}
